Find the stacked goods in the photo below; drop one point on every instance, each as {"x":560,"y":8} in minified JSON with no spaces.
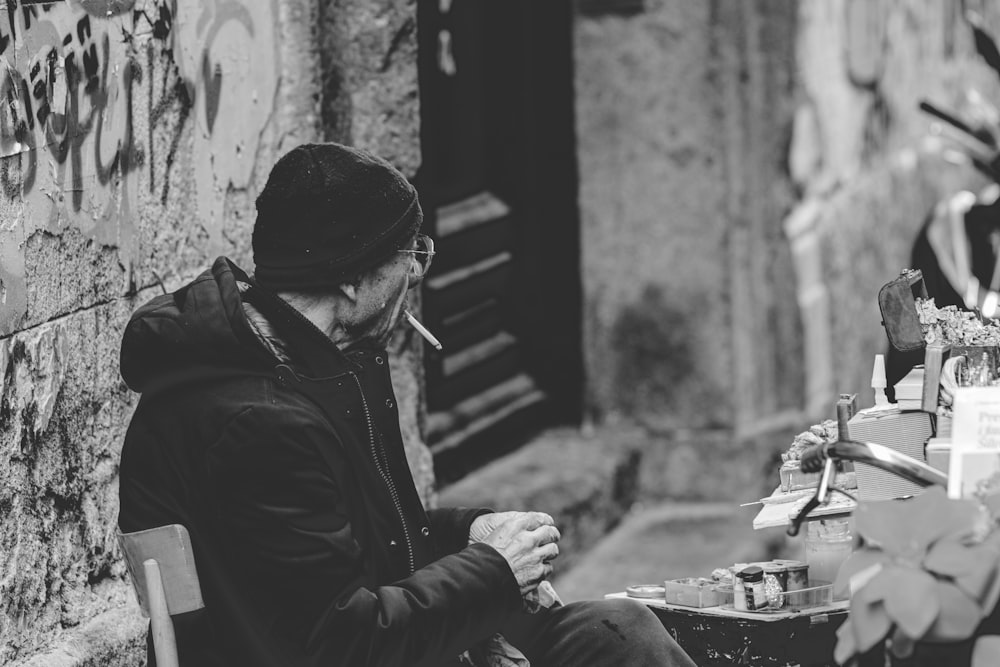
{"x":790,"y":473}
{"x":972,"y":346}
{"x":776,"y":585}
{"x":956,"y":327}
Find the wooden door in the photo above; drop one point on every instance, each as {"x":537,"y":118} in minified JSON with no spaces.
{"x":499,"y":188}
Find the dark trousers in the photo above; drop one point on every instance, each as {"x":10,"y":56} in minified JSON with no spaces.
{"x":598,"y":633}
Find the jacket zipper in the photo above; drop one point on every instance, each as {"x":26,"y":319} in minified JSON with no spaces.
{"x":384,"y":473}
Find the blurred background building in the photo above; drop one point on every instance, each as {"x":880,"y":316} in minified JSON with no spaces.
{"x":662,"y":225}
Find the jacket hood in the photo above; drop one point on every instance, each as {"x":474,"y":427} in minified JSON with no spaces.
{"x":199,"y":330}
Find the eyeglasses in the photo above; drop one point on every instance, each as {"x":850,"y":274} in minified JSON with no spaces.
{"x":423,"y":254}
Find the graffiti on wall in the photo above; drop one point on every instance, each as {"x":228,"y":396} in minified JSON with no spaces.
{"x":226,"y":53}
{"x":74,"y":75}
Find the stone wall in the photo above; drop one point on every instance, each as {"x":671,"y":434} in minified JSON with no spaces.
{"x":134,"y":137}
{"x":860,"y":159}
{"x":684,"y":113}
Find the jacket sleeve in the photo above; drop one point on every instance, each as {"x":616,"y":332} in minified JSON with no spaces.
{"x":451,"y":526}
{"x":284,"y":518}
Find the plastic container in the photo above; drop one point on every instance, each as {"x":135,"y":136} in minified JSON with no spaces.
{"x":739,"y":594}
{"x":726,"y":595}
{"x":817,"y":594}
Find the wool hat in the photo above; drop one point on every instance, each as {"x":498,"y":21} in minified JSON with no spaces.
{"x":329,"y":213}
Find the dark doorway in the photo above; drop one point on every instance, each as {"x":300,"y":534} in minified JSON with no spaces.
{"x":499,"y":187}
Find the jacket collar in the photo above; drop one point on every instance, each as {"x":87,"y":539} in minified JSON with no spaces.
{"x":290,"y":334}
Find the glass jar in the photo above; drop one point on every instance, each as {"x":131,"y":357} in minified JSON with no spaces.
{"x":828,"y":544}
{"x":753,"y":587}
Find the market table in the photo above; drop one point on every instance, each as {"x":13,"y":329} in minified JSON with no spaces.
{"x":719,"y":637}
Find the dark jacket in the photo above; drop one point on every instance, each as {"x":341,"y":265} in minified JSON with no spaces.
{"x":310,"y":540}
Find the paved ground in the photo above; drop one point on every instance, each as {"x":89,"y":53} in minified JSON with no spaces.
{"x":593,"y":482}
{"x":668,"y":541}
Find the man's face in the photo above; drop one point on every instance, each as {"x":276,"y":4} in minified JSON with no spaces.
{"x":382,"y":298}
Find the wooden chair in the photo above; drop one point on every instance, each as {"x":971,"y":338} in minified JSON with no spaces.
{"x":161,"y":565}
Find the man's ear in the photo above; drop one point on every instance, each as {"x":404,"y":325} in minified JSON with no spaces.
{"x":350,"y":290}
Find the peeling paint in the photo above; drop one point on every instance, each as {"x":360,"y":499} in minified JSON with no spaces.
{"x":36,"y":373}
{"x":48,"y":353}
{"x":3,"y":358}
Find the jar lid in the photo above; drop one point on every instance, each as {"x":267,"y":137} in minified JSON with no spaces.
{"x":752,"y":573}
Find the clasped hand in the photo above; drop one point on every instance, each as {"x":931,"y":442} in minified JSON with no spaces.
{"x":527,"y":540}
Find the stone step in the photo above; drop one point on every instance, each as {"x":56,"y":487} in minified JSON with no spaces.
{"x":586,"y":481}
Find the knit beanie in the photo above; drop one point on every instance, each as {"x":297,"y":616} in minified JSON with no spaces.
{"x":329,"y":213}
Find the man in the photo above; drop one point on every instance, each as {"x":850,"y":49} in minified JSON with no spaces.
{"x":268,"y":427}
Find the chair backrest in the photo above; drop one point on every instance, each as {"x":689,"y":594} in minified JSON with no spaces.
{"x":170,"y":547}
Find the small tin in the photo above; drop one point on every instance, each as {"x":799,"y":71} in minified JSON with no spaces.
{"x":691,"y":592}
{"x":798,"y":579}
{"x":798,"y":575}
{"x":775,"y":584}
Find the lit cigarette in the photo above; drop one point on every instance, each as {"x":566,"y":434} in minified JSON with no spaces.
{"x":422,"y":330}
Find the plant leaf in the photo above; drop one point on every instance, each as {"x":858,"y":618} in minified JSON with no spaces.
{"x":986,"y":652}
{"x":989,"y":597}
{"x":858,"y":562}
{"x":846,"y":646}
{"x":992,"y":504}
{"x":869,"y":623}
{"x":974,"y":568}
{"x":909,"y":595}
{"x":959,"y":616}
{"x":902,"y":646}
{"x":906,"y":529}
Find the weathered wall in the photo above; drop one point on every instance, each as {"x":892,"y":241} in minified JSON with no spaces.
{"x":134,"y":137}
{"x":368,"y":54}
{"x":858,"y":158}
{"x":684,"y":112}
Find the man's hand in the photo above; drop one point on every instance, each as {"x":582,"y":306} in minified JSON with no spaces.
{"x":484,"y":524}
{"x":527,"y":540}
